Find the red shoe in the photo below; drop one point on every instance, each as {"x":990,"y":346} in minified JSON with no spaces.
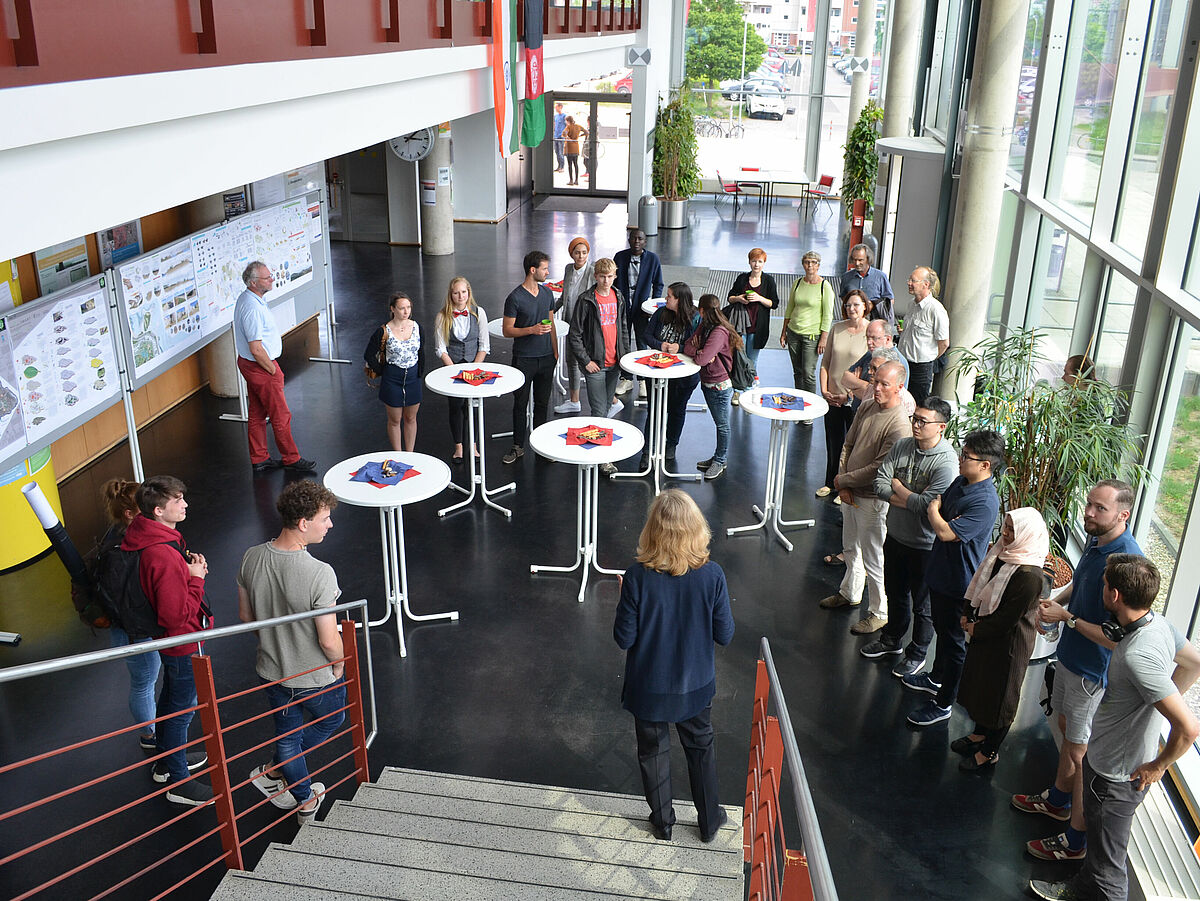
{"x":1039,"y":804}
{"x":1055,"y":848}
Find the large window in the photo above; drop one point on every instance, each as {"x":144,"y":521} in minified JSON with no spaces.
{"x":1114,"y":328}
{"x":1034,"y":29}
{"x":1057,"y":294}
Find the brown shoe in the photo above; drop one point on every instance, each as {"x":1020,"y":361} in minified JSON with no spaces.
{"x":838,"y":600}
{"x":872,"y":622}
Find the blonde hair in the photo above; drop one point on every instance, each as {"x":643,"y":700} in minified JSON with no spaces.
{"x":604,"y":266}
{"x":676,"y":535}
{"x":445,"y":316}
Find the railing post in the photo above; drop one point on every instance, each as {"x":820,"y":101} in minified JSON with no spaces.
{"x":354,"y":699}
{"x":210,"y":719}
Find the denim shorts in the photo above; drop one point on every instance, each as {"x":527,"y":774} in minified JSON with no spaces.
{"x":1076,"y":697}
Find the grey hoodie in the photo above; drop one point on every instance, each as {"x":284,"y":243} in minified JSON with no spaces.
{"x":926,"y":474}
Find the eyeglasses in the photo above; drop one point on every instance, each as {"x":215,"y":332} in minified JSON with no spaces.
{"x":965,"y":456}
{"x":265,"y":278}
{"x":919,"y":423}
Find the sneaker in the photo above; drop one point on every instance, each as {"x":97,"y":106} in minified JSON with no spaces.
{"x":1055,"y":891}
{"x":623,"y":386}
{"x":922,"y":682}
{"x":870,"y":623}
{"x":266,"y":465}
{"x":195,"y":760}
{"x":192,"y":793}
{"x":838,"y":500}
{"x":642,"y":389}
{"x":274,"y":789}
{"x":608,"y":468}
{"x":515,"y":453}
{"x":735,"y":401}
{"x":928,"y":714}
{"x":304,"y":816}
{"x":880,"y":647}
{"x":838,"y":600}
{"x":148,"y":744}
{"x":715,"y":471}
{"x":1040,"y":804}
{"x":909,"y":666}
{"x":824,"y":491}
{"x":301,"y":465}
{"x":569,"y":406}
{"x":1055,"y":848}
{"x":704,"y":464}
{"x":615,"y":409}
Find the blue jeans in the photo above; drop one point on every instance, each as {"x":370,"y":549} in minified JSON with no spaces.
{"x":719,"y":405}
{"x":178,"y":693}
{"x":292,"y":717}
{"x":143,"y":674}
{"x":751,"y":351}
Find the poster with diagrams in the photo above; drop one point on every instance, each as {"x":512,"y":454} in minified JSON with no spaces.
{"x":282,"y":241}
{"x":162,"y":304}
{"x":220,"y":254}
{"x":12,"y":423}
{"x":64,"y":360}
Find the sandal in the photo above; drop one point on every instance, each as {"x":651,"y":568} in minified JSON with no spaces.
{"x":833,"y":560}
{"x":972,"y":765}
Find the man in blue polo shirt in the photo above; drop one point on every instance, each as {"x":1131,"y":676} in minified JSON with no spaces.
{"x":1082,"y":671}
{"x":864,"y":277}
{"x":963,"y":520}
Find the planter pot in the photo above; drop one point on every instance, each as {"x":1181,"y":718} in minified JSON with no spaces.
{"x":672,"y":213}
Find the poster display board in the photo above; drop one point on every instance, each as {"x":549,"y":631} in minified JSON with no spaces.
{"x":62,"y":265}
{"x":58,"y":357}
{"x":119,"y":243}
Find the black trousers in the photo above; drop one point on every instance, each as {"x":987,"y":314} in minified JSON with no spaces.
{"x":459,"y":410}
{"x":920,"y":380}
{"x":908,"y":597}
{"x":539,"y":377}
{"x":837,"y":424}
{"x":654,"y":760}
{"x":951,"y":646}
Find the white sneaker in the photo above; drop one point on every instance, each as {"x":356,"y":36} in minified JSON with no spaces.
{"x":642,"y":388}
{"x":570,"y":406}
{"x":616,"y":408}
{"x":623,"y":386}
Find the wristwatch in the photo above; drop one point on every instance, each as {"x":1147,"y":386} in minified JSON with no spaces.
{"x":1072,"y":621}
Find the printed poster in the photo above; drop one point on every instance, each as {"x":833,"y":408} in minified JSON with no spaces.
{"x":12,"y":423}
{"x":62,"y":265}
{"x":119,"y":243}
{"x":162,"y":303}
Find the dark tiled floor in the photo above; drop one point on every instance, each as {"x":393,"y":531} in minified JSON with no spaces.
{"x":526,"y":685}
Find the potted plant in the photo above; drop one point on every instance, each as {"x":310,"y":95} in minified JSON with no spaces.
{"x":862,"y":162}
{"x":676,"y":177}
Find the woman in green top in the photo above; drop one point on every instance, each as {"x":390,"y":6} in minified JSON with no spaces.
{"x":806,"y":322}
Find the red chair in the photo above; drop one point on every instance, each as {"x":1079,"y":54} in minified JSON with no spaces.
{"x":821,"y":193}
{"x":728,"y":189}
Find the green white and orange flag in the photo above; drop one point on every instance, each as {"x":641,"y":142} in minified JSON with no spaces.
{"x":504,"y":75}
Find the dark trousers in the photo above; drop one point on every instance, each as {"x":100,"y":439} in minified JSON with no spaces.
{"x":993,"y":738}
{"x":654,"y":760}
{"x":951,"y":646}
{"x":539,"y":377}
{"x":265,"y":400}
{"x":1109,"y":808}
{"x":178,"y":693}
{"x":920,"y":380}
{"x":459,"y":410}
{"x":837,"y":424}
{"x":679,"y":392}
{"x":908,"y":597}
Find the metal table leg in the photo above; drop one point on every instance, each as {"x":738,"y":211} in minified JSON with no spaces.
{"x":772,"y":506}
{"x":587,"y":517}
{"x":477,"y":470}
{"x":396,"y":575}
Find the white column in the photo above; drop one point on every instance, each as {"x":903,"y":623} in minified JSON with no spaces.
{"x":864,"y":46}
{"x":437,"y":219}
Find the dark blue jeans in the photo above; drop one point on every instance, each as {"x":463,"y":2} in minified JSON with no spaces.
{"x":951,"y":646}
{"x":679,"y":392}
{"x":908,"y":597}
{"x":719,"y":405}
{"x":317,"y":705}
{"x":178,"y":693}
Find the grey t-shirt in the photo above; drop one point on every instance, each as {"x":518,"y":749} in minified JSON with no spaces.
{"x":282,"y":582}
{"x":1126,"y":726}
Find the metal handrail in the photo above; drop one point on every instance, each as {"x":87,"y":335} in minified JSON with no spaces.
{"x":812,"y":843}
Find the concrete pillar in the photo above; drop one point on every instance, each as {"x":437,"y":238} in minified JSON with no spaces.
{"x":480,"y":188}
{"x":437,"y":219}
{"x":864,"y":46}
{"x":988,"y":132}
{"x":903,"y":50}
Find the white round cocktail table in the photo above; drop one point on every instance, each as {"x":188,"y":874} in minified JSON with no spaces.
{"x":432,"y":478}
{"x":656,"y":424}
{"x":561,"y":327}
{"x":751,"y":402}
{"x":650,"y":304}
{"x":550,"y":440}
{"x":443,"y":381}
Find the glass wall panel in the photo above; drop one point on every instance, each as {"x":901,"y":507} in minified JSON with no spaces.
{"x":942,"y":67}
{"x":1025,"y":91}
{"x":1085,"y":105}
{"x":1065,"y":257}
{"x":1160,"y":75}
{"x":1114,"y":328}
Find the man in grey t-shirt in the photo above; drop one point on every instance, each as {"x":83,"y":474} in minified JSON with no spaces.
{"x":300,"y":662}
{"x":1150,"y":668}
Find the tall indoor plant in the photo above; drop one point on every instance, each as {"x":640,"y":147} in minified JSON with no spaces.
{"x":1060,"y":439}
{"x":862,"y":162}
{"x":676,"y":176}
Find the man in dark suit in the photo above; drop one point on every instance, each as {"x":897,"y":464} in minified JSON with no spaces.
{"x":639,"y":277}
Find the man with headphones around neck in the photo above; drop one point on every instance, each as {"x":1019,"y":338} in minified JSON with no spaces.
{"x":1081,"y":673}
{"x":1151,"y":666}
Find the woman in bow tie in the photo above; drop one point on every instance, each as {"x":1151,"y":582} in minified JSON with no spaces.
{"x":461,"y":336}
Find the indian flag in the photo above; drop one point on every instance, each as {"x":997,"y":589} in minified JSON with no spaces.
{"x":504,"y":74}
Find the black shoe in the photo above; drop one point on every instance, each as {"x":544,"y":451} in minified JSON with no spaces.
{"x":301,"y":465}
{"x":266,"y":465}
{"x":192,"y":793}
{"x":515,"y":453}
{"x":971,"y":765}
{"x":966,"y":745}
{"x":195,"y":760}
{"x":704,"y":464}
{"x":644,"y":462}
{"x":662,"y":833}
{"x":722,"y":819}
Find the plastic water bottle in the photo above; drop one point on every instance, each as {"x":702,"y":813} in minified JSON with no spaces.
{"x":1051,"y":631}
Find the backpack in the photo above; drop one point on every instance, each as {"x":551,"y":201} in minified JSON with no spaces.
{"x":742,"y":372}
{"x":119,"y":590}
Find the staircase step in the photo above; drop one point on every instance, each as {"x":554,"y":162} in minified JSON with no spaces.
{"x":400,"y":833}
{"x":242,"y":886}
{"x":487,"y":876}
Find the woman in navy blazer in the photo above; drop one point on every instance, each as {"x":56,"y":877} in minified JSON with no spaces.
{"x":674,"y":606}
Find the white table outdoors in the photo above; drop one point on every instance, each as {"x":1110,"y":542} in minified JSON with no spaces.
{"x":656,"y":423}
{"x":432,"y":478}
{"x":442,"y":381}
{"x":781,"y":420}
{"x":549,"y":440}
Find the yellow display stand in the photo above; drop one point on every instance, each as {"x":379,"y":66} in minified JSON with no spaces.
{"x":21,"y":535}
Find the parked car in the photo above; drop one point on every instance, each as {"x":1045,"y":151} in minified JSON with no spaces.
{"x":625,"y":85}
{"x":740,"y":90}
{"x":766,"y":105}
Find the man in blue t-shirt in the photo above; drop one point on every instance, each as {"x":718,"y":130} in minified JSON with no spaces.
{"x":1082,"y":671}
{"x":560,"y":143}
{"x":963,"y":519}
{"x":527,"y":314}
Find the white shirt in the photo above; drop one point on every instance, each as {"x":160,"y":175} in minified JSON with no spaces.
{"x":926,"y":324}
{"x":460,"y":327}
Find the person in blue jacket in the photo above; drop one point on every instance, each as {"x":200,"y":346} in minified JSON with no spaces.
{"x":669,"y":327}
{"x":674,"y":605}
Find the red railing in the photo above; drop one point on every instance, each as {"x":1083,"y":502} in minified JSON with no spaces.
{"x":228,"y":816}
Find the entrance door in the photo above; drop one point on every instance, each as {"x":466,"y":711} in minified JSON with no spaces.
{"x":518,"y":175}
{"x":602,"y":162}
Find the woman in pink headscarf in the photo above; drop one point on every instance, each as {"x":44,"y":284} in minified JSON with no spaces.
{"x":1001,"y":620}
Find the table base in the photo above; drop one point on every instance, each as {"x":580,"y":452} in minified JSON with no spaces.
{"x":477,"y":470}
{"x":586,"y":518}
{"x":656,"y":449}
{"x":769,"y":513}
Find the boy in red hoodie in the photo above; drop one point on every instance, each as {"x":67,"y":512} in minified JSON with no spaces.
{"x":173,"y":579}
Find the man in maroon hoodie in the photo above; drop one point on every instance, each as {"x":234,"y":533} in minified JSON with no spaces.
{"x":173,"y":579}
